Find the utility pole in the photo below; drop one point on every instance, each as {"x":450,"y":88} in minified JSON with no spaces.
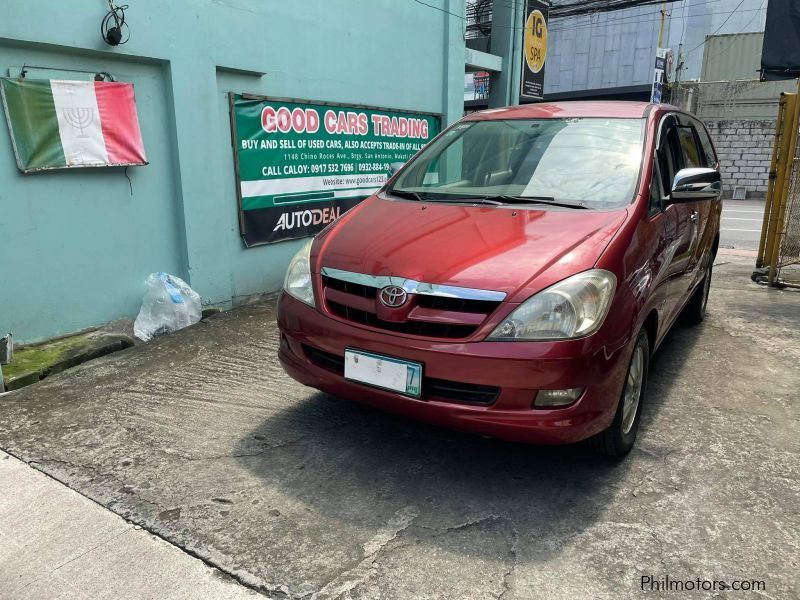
{"x":678,"y":67}
{"x":661,"y":28}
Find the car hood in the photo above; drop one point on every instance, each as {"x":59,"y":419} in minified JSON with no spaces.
{"x":515,"y":250}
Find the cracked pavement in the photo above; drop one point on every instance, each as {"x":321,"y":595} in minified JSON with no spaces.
{"x":201,"y":439}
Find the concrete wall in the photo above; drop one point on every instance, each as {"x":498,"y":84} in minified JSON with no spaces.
{"x":745,"y":150}
{"x":734,"y":100}
{"x":740,"y":116}
{"x":75,"y":247}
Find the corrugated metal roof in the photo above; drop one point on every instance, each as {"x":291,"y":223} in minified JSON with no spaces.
{"x":732,"y":56}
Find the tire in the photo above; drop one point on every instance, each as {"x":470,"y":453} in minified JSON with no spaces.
{"x":618,"y":439}
{"x":695,"y":311}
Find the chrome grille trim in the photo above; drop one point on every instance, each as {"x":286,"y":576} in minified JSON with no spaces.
{"x":414,"y":287}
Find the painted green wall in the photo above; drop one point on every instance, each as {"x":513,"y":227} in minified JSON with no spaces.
{"x":75,"y":247}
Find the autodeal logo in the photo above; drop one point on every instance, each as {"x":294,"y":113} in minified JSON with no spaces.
{"x":307,"y":218}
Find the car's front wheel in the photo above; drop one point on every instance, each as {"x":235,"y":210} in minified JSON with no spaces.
{"x":618,"y":439}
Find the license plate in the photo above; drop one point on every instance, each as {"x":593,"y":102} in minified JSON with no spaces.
{"x":384,"y":372}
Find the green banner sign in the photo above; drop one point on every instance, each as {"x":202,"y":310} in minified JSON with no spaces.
{"x":300,"y":164}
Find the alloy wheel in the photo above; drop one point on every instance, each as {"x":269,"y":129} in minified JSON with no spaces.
{"x":706,"y":289}
{"x":633,"y":389}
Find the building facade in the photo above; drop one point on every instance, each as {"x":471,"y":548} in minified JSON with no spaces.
{"x":77,"y":245}
{"x":611,"y":54}
{"x":604,"y":55}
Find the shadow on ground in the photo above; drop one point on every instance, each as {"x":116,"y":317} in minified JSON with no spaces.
{"x":200,"y":438}
{"x":428,"y":491}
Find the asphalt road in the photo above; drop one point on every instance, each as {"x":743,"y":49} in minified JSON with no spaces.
{"x":741,"y":224}
{"x":199,"y":438}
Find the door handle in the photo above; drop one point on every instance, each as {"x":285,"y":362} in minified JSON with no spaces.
{"x":693,"y":217}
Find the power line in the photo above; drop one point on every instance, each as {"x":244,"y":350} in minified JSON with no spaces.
{"x":592,"y":6}
{"x":683,"y":25}
{"x":718,"y":28}
{"x":626,"y":17}
{"x":731,"y":42}
{"x":639,"y":20}
{"x":568,"y":9}
{"x":447,"y":12}
{"x":615,"y":5}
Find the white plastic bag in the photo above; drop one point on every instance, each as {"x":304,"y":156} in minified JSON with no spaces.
{"x":169,"y":304}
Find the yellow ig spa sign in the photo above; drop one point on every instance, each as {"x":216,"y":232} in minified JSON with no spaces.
{"x":534,"y":49}
{"x":535,"y":41}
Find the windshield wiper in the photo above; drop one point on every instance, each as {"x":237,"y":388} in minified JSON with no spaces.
{"x":498,"y":200}
{"x":549,"y":200}
{"x":407,"y":194}
{"x":474,"y":200}
{"x":466,"y":200}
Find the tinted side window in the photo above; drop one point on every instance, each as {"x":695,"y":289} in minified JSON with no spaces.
{"x":670,"y":158}
{"x":708,"y":147}
{"x":656,"y":197}
{"x":663,"y":163}
{"x":689,"y":148}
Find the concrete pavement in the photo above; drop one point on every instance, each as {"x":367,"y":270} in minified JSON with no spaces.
{"x":200,"y":438}
{"x":54,"y":543}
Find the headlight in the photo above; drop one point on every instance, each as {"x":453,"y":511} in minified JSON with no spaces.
{"x":571,"y":308}
{"x":298,"y":275}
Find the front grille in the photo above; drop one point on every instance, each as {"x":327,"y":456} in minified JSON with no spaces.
{"x":423,"y":328}
{"x":460,"y":392}
{"x":356,"y":289}
{"x":457,"y":304}
{"x":439,"y":389}
{"x":326,"y":360}
{"x":434,"y":316}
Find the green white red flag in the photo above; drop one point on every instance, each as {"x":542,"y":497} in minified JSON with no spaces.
{"x":57,"y":124}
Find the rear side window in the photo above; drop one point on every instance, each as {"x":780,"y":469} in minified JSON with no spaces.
{"x":656,"y":194}
{"x":707,"y":146}
{"x":690,"y":148}
{"x":670,"y":159}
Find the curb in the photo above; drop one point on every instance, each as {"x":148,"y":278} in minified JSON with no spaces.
{"x":109,"y":346}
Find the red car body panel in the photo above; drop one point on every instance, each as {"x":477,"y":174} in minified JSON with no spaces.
{"x":517,"y":252}
{"x":558,"y":110}
{"x":534,"y":366}
{"x":500,"y":249}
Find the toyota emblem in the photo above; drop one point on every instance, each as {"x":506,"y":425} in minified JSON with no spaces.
{"x":393,"y":296}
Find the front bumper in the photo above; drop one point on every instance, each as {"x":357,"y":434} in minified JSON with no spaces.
{"x":518,"y":369}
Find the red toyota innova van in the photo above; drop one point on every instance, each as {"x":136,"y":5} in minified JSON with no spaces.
{"x":514,"y":278}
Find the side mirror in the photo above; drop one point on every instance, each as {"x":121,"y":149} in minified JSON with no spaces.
{"x":394,"y":168}
{"x":696,"y":184}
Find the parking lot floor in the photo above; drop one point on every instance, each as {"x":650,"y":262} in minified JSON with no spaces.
{"x":200,"y":439}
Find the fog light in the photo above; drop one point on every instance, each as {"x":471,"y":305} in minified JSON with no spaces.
{"x":550,"y":398}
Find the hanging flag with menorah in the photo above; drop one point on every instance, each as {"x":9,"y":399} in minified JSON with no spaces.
{"x":58,"y":124}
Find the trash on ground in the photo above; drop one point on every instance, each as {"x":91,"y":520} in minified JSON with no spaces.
{"x":169,"y":304}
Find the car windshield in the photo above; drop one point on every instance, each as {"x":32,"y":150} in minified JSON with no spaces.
{"x":587,"y":162}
